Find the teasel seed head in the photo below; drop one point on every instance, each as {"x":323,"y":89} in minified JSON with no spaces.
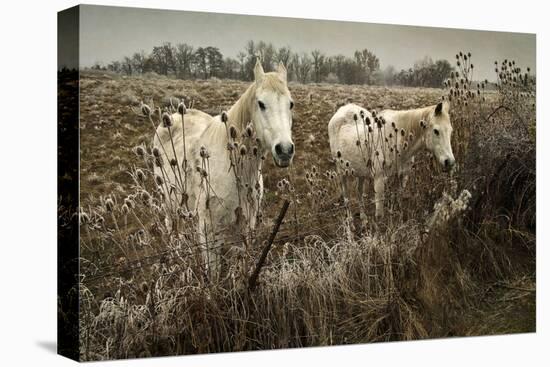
{"x":182,"y":109}
{"x":125,"y":209}
{"x":145,"y":109}
{"x":140,"y":175}
{"x":159,"y":162}
{"x":402,"y":132}
{"x":243,"y":150}
{"x":159,"y":180}
{"x":173,"y":162}
{"x":249,"y":131}
{"x":338,"y":154}
{"x":145,"y":197}
{"x":232,"y":132}
{"x":203,"y":152}
{"x":166,"y":120}
{"x":140,"y":152}
{"x":367,"y":121}
{"x":224,"y":117}
{"x":156,"y":152}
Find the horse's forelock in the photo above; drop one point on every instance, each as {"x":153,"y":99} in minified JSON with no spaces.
{"x":273,"y":82}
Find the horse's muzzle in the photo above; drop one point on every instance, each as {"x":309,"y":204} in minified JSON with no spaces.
{"x":283,"y":153}
{"x":448,"y":164}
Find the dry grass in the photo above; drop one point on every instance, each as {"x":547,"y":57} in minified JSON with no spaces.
{"x":463,"y":268}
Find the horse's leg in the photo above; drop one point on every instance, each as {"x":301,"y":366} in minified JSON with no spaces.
{"x":360,"y":190}
{"x":379,"y":195}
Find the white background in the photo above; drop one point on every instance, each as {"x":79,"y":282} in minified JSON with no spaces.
{"x":28,"y":182}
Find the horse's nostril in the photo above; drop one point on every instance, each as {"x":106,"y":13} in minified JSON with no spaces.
{"x":291,"y":149}
{"x":447,"y":162}
{"x":278,"y":149}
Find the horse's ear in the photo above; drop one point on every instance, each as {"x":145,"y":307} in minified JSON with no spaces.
{"x":439,"y":108}
{"x":446,"y":106}
{"x":281,"y":70}
{"x":258,"y":71}
{"x":442,"y":107}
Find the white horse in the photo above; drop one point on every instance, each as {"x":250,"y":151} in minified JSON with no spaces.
{"x":366,"y":144}
{"x":224,"y":154}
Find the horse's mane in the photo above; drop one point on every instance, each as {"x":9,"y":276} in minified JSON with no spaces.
{"x":409,"y":120}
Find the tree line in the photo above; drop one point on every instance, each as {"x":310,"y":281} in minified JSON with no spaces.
{"x":184,"y":61}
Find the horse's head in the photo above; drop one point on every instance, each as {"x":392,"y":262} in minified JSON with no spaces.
{"x":438,"y":135}
{"x":272,"y":113}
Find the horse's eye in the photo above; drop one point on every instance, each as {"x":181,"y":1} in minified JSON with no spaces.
{"x":291,"y":105}
{"x":436,"y":132}
{"x":262,"y":105}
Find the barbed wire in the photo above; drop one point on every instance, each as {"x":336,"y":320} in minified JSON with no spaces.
{"x":163,"y":255}
{"x":238,"y":238}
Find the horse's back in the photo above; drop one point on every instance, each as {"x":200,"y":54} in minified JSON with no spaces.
{"x":343,"y":124}
{"x":195,"y":123}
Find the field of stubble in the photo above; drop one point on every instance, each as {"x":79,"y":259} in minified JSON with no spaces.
{"x":329,"y":281}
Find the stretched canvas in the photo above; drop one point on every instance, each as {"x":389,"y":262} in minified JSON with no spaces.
{"x":235,"y":183}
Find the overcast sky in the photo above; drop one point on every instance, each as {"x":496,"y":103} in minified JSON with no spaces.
{"x":109,"y":33}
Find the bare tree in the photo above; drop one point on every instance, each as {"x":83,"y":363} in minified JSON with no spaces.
{"x":183,"y":58}
{"x":368,"y":62}
{"x":283,"y":55}
{"x":163,"y":58}
{"x":127,"y":66}
{"x":302,"y":67}
{"x":318,"y":65}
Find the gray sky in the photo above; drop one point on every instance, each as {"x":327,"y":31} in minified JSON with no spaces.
{"x":109,"y":33}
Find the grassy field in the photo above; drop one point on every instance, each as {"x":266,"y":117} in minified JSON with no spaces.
{"x":329,"y":280}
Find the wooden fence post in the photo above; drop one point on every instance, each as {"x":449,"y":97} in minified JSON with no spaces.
{"x":254,"y":277}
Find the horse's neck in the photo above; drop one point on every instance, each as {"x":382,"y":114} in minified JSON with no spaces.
{"x":240,"y":115}
{"x":410,"y":122}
